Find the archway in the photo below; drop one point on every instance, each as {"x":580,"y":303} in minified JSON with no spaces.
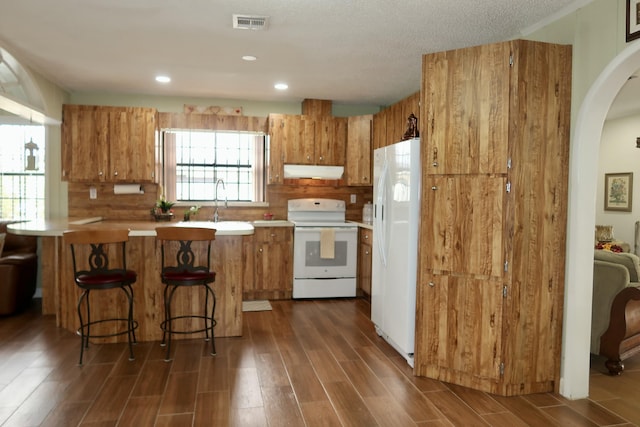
{"x":574,"y":382}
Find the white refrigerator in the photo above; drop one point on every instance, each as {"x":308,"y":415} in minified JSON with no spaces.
{"x":396,"y":211}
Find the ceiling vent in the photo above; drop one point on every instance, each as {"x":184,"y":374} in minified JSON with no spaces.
{"x":250,"y":22}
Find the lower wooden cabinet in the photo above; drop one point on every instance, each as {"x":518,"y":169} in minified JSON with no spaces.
{"x":269,"y":254}
{"x":364,"y":261}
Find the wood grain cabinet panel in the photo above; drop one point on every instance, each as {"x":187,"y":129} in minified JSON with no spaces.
{"x":305,"y":140}
{"x":330,"y":140}
{"x":108,"y":144}
{"x":495,"y":146}
{"x":272,"y":250}
{"x":359,"y":150}
{"x":364,"y":261}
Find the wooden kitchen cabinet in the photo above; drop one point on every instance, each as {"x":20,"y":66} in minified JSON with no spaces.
{"x":364,"y":261}
{"x":330,"y":140}
{"x":495,"y":137}
{"x":305,"y":140}
{"x":272,"y":250}
{"x":108,"y":144}
{"x":359,"y":150}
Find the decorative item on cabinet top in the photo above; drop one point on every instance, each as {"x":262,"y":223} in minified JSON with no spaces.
{"x":412,"y":128}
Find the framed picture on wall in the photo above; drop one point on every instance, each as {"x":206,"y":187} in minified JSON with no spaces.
{"x":633,"y":19}
{"x":618,"y":191}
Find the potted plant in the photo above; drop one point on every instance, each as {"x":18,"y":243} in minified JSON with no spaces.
{"x":192,"y":211}
{"x":162,"y":210}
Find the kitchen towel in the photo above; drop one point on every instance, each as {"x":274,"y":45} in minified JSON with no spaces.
{"x":127,"y":189}
{"x":327,"y":243}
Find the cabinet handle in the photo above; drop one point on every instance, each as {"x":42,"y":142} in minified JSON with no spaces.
{"x":115,"y":173}
{"x":321,"y":158}
{"x":272,"y":235}
{"x":366,"y":236}
{"x":308,"y":157}
{"x":99,"y":173}
{"x":434,"y":188}
{"x":431,"y":284}
{"x":260,"y":250}
{"x":434,"y":164}
{"x":366,"y":252}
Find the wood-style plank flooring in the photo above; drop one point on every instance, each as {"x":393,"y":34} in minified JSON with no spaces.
{"x":305,"y":363}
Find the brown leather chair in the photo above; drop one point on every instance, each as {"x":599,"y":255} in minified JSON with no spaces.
{"x":18,"y":271}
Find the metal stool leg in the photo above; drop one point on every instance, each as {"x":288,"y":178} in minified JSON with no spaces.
{"x":84,"y":340}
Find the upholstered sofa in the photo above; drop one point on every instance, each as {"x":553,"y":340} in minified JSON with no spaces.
{"x":615,"y":325}
{"x":18,"y":271}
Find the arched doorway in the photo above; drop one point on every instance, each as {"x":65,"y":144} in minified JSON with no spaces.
{"x":574,"y":383}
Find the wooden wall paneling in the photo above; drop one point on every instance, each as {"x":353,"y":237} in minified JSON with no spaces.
{"x":308,"y":188}
{"x":317,"y":107}
{"x":133,"y":207}
{"x":49,"y":280}
{"x":212,"y":122}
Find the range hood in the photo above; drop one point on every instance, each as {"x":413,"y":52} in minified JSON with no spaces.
{"x":313,"y":171}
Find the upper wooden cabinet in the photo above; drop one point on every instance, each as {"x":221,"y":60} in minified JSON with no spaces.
{"x":330,"y":140}
{"x":495,"y":149}
{"x":359,"y":150}
{"x":110,"y":144}
{"x":305,"y":140}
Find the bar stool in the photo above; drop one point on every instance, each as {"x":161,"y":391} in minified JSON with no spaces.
{"x":186,"y":245}
{"x":99,"y":264}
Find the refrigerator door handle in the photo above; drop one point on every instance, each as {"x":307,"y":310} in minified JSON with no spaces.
{"x":380,"y":223}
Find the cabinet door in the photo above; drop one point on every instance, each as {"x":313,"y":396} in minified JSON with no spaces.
{"x":132,"y":144}
{"x":466,"y":110}
{"x":298,"y":139}
{"x":460,"y":279}
{"x":85,"y":143}
{"x":276,"y":149}
{"x":459,"y":338}
{"x":273,"y":277}
{"x":330,"y":140}
{"x":462,"y":228}
{"x":364,"y":261}
{"x":358,"y":161}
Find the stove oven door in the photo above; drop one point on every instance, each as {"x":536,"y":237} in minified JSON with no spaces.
{"x":307,"y":260}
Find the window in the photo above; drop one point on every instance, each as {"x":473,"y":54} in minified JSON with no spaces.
{"x":22,"y":192}
{"x":194,"y":161}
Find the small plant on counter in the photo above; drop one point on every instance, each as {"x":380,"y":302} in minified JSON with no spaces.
{"x":164,"y":205}
{"x":192,"y":211}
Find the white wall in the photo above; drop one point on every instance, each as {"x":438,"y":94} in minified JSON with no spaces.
{"x":618,"y":153}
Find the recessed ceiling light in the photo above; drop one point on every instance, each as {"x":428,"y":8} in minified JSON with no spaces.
{"x":163,"y":79}
{"x":249,"y":58}
{"x":281,"y":86}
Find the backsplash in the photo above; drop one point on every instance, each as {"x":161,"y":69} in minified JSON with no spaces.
{"x":136,"y":207}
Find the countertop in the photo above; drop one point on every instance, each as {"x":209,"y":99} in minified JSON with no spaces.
{"x":363,"y":225}
{"x":55,"y":227}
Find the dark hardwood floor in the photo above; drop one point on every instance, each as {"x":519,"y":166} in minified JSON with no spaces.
{"x":313,"y":363}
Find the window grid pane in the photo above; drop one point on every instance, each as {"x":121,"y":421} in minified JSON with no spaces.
{"x":22,"y":193}
{"x":204,"y":157}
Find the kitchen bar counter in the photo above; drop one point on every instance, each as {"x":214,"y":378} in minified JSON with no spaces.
{"x":60,"y":294}
{"x":137,"y":228}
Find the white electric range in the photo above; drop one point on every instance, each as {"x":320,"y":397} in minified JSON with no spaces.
{"x":324,"y":249}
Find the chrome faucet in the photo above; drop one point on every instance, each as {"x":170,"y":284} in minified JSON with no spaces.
{"x":226,"y":199}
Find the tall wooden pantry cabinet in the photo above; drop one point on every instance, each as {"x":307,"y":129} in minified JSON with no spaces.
{"x":495,"y":135}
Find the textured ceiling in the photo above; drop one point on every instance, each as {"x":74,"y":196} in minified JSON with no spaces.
{"x":349,"y":51}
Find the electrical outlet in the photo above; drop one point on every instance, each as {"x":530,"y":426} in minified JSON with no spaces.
{"x":93,"y":193}
{"x":353,"y":198}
